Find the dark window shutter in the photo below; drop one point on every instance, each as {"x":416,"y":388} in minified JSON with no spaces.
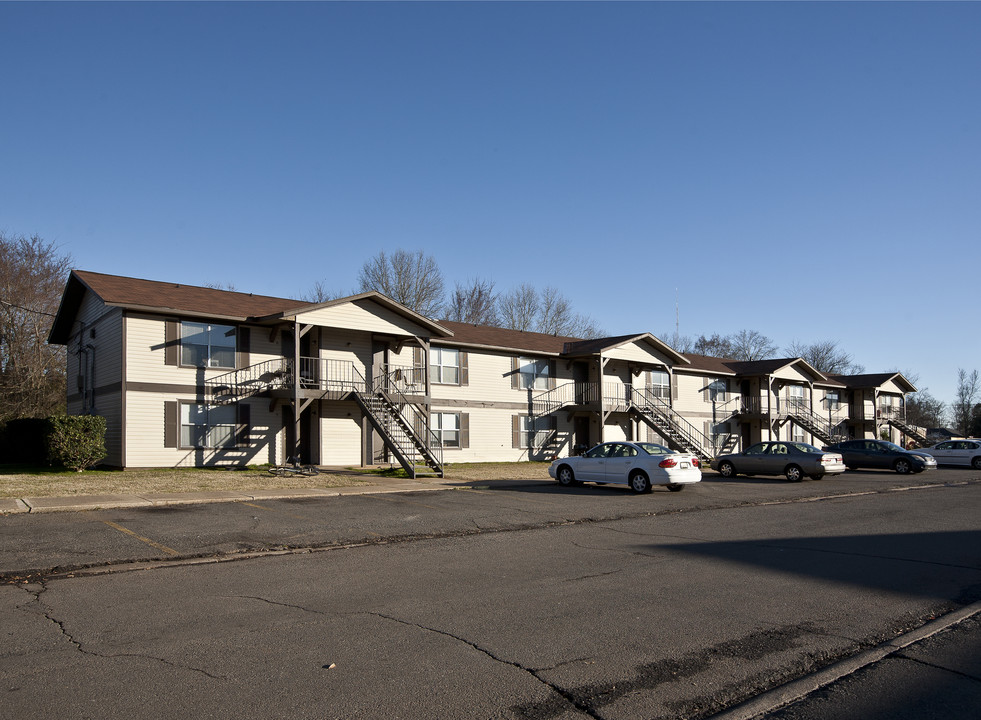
{"x":514,"y":375}
{"x":516,"y":431}
{"x":464,"y":430}
{"x":172,"y":343}
{"x":552,"y":368}
{"x":464,"y":368}
{"x":244,"y":430}
{"x":244,"y":341}
{"x":171,"y":423}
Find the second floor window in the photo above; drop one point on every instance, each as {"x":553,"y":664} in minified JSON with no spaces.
{"x":833,"y":399}
{"x":207,"y":345}
{"x":660,"y":384}
{"x":533,"y":374}
{"x":717,"y":390}
{"x":444,"y":366}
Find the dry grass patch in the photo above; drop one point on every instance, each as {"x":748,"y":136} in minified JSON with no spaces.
{"x":30,"y":482}
{"x":19,"y":482}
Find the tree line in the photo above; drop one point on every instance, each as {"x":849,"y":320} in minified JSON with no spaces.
{"x":32,"y":373}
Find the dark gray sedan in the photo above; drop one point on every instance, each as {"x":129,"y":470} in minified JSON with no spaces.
{"x":882,"y":455}
{"x":794,"y":460}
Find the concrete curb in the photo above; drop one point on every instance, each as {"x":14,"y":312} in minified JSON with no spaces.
{"x":797,"y":689}
{"x":79,"y":503}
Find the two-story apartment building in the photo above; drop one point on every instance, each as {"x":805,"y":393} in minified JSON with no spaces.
{"x":199,"y":376}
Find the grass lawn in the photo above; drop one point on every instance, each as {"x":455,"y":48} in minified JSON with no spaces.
{"x":18,"y":481}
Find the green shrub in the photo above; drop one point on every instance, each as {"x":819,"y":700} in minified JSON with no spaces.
{"x":77,"y":441}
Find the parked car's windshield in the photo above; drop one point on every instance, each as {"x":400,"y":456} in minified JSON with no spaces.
{"x":652,"y":449}
{"x":805,"y":448}
{"x":891,"y":446}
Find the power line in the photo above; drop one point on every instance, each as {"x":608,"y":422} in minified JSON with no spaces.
{"x":21,"y":307}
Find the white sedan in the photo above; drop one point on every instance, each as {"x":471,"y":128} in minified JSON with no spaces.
{"x":956,"y":452}
{"x":637,"y":464}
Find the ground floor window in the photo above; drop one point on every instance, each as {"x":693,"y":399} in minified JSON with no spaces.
{"x":207,"y":426}
{"x":796,"y":432}
{"x":531,"y":431}
{"x":446,"y":426}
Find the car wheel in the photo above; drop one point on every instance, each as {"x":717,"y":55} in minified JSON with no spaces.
{"x":727,"y":469}
{"x":565,"y":476}
{"x":976,"y":462}
{"x":675,"y":487}
{"x":902,"y":466}
{"x":639,"y":482}
{"x":794,"y":473}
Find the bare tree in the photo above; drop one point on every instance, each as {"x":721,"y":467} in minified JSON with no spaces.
{"x":550,"y":312}
{"x":219,"y":285}
{"x":751,"y":345}
{"x":518,"y":308}
{"x":474,"y":303}
{"x":413,"y":279}
{"x":924,"y":410}
{"x":681,"y":343}
{"x":968,"y":389}
{"x":826,"y":357}
{"x":719,"y":346}
{"x":320,"y":293}
{"x":32,"y":373}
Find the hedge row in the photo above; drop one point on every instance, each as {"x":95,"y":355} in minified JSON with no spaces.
{"x":75,"y":441}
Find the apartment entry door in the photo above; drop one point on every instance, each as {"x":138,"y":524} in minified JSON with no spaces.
{"x":307,"y":428}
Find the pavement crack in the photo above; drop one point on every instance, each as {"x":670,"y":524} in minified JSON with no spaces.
{"x":276,"y":603}
{"x":533,"y":672}
{"x":47,"y":612}
{"x":935,"y":666}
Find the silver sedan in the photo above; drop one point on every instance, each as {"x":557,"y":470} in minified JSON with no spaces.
{"x":794,"y":460}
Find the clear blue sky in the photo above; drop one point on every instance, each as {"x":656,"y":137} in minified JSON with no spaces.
{"x":810,"y":171}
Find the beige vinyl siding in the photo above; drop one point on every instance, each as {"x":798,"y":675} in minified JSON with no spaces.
{"x":364,"y":316}
{"x":638,"y":352}
{"x":145,"y":436}
{"x":691,"y":397}
{"x":109,"y":406}
{"x":616,"y":429}
{"x":340,"y":434}
{"x":347,"y":346}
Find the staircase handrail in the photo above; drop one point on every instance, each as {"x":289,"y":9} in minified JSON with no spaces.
{"x":248,"y":381}
{"x":571,"y":393}
{"x":800,"y":409}
{"x":646,"y":400}
{"x":387,"y":383}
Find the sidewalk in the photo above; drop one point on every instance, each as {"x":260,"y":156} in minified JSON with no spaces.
{"x":96,"y":502}
{"x":931,"y":672}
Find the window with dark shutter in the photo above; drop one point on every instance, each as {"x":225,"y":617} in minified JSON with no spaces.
{"x":171,"y":420}
{"x":172,"y":343}
{"x":243,"y":434}
{"x":243,"y":350}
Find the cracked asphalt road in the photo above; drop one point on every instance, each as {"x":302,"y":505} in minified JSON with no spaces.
{"x":521,"y":601}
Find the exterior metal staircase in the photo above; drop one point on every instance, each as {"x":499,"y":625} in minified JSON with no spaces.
{"x":246,"y":382}
{"x":678,"y":433}
{"x":404,"y":427}
{"x":910,"y":431}
{"x":800,"y":412}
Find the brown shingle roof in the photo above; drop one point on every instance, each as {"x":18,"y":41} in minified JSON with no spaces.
{"x":493,"y":337}
{"x":132,"y":292}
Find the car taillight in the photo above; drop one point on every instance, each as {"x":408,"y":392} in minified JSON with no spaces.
{"x":667,"y":462}
{"x":695,"y":462}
